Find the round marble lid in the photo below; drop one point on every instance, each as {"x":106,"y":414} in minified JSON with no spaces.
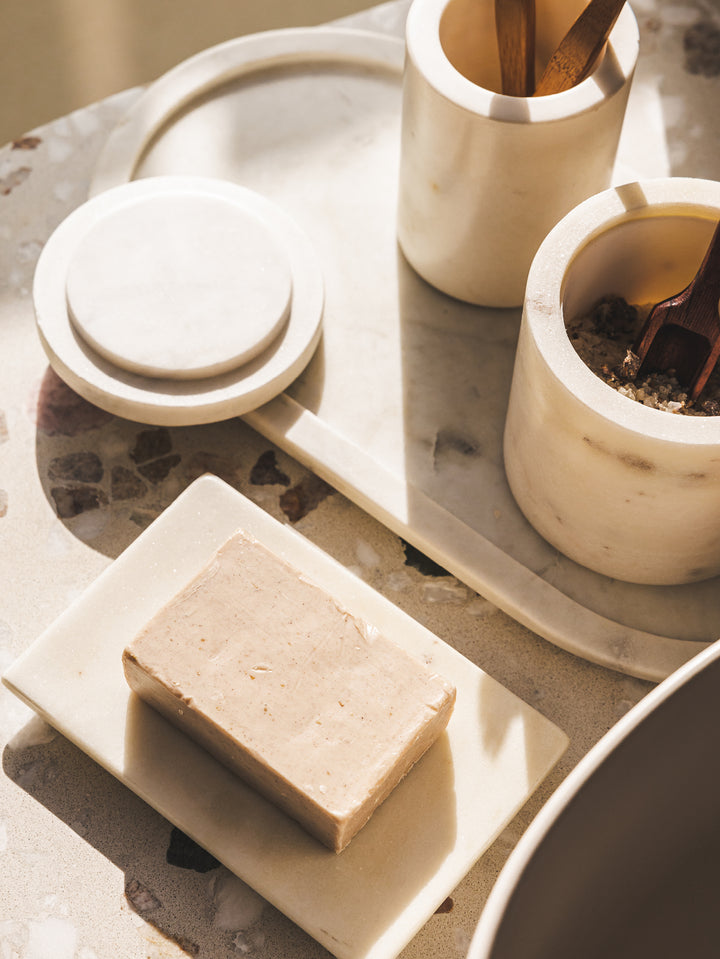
{"x":179,"y":285}
{"x":178,"y":300}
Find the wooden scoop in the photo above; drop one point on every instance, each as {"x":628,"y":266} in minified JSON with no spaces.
{"x":580,"y":47}
{"x":683,"y":333}
{"x":515,"y":25}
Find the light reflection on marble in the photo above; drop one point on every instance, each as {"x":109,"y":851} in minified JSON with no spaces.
{"x":402,"y":407}
{"x":408,"y":388}
{"x":455,"y":365}
{"x":72,"y":841}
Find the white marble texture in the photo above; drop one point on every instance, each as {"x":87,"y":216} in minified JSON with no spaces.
{"x":403,"y":405}
{"x":472,"y":215}
{"x":182,"y":285}
{"x":629,"y":491}
{"x":368,"y":901}
{"x":132,"y":372}
{"x":79,"y":851}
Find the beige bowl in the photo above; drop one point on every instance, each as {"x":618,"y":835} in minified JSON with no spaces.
{"x":622,"y":860}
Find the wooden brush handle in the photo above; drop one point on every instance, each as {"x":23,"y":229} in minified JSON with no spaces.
{"x":710,"y":269}
{"x":580,"y":47}
{"x":515,"y":25}
{"x":696,"y":308}
{"x":664,"y":342}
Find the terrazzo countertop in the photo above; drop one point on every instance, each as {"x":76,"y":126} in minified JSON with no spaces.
{"x":88,"y":870}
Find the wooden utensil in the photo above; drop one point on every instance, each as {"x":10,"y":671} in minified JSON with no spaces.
{"x":515,"y":25}
{"x":580,"y":47}
{"x":682,"y":333}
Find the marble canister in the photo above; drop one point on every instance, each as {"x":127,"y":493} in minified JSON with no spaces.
{"x":483,"y":176}
{"x":624,"y":489}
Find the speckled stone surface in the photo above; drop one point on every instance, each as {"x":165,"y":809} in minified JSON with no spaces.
{"x":87,"y":870}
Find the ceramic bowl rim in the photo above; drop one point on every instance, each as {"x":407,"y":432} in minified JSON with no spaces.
{"x":530,"y":842}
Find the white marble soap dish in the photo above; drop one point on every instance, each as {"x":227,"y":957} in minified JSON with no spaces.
{"x":368,"y":901}
{"x":178,"y":300}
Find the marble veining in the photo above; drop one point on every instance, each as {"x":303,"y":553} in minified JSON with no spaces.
{"x":425,"y":370}
{"x":382,"y":404}
{"x":70,"y":844}
{"x":138,"y":469}
{"x":369,"y":900}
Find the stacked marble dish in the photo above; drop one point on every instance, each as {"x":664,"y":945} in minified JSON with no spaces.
{"x":179,"y":300}
{"x":403,"y":405}
{"x":368,"y":901}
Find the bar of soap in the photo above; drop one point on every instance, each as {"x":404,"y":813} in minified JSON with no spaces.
{"x":309,"y":705}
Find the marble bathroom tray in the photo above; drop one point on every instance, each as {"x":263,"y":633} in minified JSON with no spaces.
{"x":403,"y":404}
{"x":368,"y":901}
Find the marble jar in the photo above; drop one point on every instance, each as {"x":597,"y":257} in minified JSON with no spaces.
{"x":626,"y":490}
{"x":483,"y":176}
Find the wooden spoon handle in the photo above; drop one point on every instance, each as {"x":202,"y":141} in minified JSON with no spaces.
{"x":709,"y":271}
{"x":664,"y":342}
{"x":515,"y":25}
{"x":580,"y":47}
{"x":696,"y":308}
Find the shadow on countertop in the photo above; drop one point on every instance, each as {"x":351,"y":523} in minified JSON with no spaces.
{"x":108,"y":478}
{"x":184,"y":894}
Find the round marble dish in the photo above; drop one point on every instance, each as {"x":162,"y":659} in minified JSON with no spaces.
{"x":180,"y":285}
{"x":178,"y":300}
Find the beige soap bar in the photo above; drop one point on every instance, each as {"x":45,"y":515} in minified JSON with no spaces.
{"x":309,"y":705}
